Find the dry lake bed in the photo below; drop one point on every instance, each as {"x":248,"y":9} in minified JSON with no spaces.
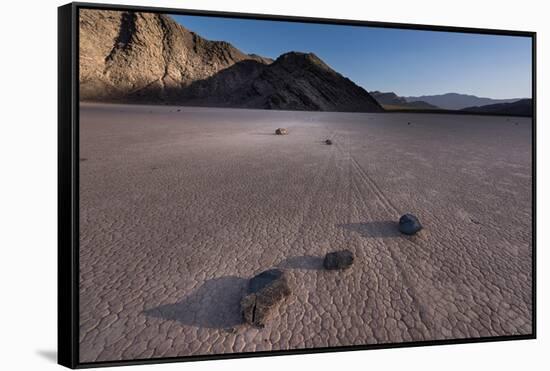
{"x":180,"y":206}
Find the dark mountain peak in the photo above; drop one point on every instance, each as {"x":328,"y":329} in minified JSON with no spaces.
{"x":296,"y":59}
{"x":293,"y":82}
{"x":259,"y":58}
{"x":295,"y":55}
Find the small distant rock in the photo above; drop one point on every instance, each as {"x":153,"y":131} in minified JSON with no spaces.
{"x":409,"y":224}
{"x":408,"y":123}
{"x":338,"y":260}
{"x":328,"y":141}
{"x":265,"y":291}
{"x":281,"y":131}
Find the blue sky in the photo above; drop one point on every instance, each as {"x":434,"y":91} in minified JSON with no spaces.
{"x":407,"y":62}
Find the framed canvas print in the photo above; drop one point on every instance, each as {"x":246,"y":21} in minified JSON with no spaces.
{"x":235,"y":185}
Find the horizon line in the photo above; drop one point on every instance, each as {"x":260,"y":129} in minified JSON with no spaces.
{"x":437,"y":94}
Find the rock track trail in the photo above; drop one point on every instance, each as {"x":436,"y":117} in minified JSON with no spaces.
{"x":180,"y":209}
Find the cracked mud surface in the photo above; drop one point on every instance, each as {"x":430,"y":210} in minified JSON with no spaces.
{"x":179,"y":209}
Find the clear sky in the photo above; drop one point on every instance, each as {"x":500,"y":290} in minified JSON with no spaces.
{"x":407,"y":62}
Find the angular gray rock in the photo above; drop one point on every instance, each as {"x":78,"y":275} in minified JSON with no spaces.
{"x":265,"y":292}
{"x":328,"y":141}
{"x":281,"y":131}
{"x":338,"y":260}
{"x":409,"y":224}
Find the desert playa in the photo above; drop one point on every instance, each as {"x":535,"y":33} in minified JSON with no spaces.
{"x":181,"y":206}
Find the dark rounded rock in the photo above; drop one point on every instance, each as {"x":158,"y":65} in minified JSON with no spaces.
{"x":338,"y":260}
{"x":328,"y":141}
{"x":281,"y":131}
{"x":265,"y":291}
{"x":409,"y":224}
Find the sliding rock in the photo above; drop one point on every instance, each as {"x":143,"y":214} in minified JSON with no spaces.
{"x":409,"y":224}
{"x":265,"y":292}
{"x":338,"y":260}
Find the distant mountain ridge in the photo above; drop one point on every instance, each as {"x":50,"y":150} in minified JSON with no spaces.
{"x":455,"y":101}
{"x":523,"y":107}
{"x":392,"y":100}
{"x":149,"y":58}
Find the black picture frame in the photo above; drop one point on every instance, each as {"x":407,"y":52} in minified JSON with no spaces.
{"x":68,"y":182}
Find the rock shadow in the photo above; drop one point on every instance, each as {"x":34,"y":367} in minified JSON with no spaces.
{"x":215,"y":304}
{"x":302,"y":262}
{"x":386,"y":229}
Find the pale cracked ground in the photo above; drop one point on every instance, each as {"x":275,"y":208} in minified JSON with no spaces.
{"x":179,"y":209}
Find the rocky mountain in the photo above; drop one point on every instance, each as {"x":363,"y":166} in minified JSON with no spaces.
{"x":125,"y":54}
{"x":393,"y":100}
{"x":455,"y":101}
{"x":145,"y":57}
{"x":523,"y":107}
{"x":295,"y":81}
